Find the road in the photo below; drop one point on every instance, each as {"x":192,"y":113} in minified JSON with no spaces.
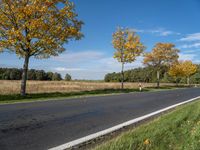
{"x":43,"y":125}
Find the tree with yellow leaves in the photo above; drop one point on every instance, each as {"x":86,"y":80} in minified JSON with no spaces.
{"x":189,"y":69}
{"x":128,"y":48}
{"x":176,"y":71}
{"x":183,"y":69}
{"x":163,"y":54}
{"x":37,"y":28}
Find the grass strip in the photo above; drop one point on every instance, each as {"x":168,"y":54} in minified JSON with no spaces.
{"x":177,"y":130}
{"x":58,"y":95}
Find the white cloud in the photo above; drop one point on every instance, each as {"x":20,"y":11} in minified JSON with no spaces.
{"x":158,"y":31}
{"x":187,"y":56}
{"x":97,"y":69}
{"x":75,"y":57}
{"x":194,"y":45}
{"x":191,"y":37}
{"x":63,"y":69}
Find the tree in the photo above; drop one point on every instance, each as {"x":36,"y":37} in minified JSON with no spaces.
{"x":176,"y":71}
{"x":49,"y":76}
{"x":188,"y":69}
{"x":163,"y":54}
{"x":56,"y":77}
{"x":183,"y":69}
{"x":128,"y":47}
{"x":68,"y":77}
{"x":37,"y":28}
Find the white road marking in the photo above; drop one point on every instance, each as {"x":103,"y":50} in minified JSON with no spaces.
{"x":117,"y":127}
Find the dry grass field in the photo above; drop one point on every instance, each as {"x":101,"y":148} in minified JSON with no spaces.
{"x":13,"y":87}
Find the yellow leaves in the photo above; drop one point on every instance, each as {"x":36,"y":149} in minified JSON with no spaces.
{"x":39,"y":26}
{"x":182,"y":69}
{"x":162,"y":54}
{"x":188,"y":68}
{"x":147,"y":142}
{"x":127,"y":45}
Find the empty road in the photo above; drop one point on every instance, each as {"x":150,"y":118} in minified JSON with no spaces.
{"x":43,"y":125}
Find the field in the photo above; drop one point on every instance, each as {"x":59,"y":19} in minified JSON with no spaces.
{"x":13,"y":87}
{"x":178,"y":130}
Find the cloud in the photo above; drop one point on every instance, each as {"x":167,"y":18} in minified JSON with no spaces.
{"x":75,"y":57}
{"x":194,"y":45}
{"x":158,"y":31}
{"x":187,"y":56}
{"x":191,"y":37}
{"x":63,"y":69}
{"x":96,"y":69}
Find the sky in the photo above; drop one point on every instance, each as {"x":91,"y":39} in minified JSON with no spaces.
{"x":175,"y":21}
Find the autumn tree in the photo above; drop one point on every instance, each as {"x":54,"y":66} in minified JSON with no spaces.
{"x":176,"y":71}
{"x":37,"y":28}
{"x":163,"y":54}
{"x":128,"y":48}
{"x":183,"y":69}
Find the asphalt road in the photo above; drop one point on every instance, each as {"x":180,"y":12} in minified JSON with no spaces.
{"x":43,"y":125}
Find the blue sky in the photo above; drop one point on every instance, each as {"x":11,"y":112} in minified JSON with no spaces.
{"x":175,"y":21}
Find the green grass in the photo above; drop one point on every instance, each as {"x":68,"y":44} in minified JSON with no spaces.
{"x":177,"y":130}
{"x":17,"y":98}
{"x":52,"y":96}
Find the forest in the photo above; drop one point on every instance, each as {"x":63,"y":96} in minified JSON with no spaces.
{"x":148,"y":74}
{"x":16,"y":74}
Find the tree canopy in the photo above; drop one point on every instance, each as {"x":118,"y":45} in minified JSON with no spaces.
{"x":128,"y":47}
{"x":37,"y":28}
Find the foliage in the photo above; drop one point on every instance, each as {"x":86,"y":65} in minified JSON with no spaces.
{"x":56,"y":77}
{"x":68,"y":77}
{"x":163,"y":54}
{"x":188,"y":68}
{"x":16,"y":74}
{"x":128,"y":47}
{"x":148,"y":74}
{"x":182,"y":69}
{"x":37,"y":28}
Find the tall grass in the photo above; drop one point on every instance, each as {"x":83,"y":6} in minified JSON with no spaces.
{"x":13,"y":87}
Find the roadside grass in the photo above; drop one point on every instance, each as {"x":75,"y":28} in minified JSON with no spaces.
{"x":177,"y":130}
{"x":13,"y":98}
{"x":31,"y":97}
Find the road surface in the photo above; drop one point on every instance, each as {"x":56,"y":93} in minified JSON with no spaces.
{"x":43,"y":125}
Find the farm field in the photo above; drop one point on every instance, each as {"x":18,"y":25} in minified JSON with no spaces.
{"x":13,"y":87}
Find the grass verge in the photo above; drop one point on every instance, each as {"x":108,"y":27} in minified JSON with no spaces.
{"x":52,"y":96}
{"x":177,"y":130}
{"x":17,"y":98}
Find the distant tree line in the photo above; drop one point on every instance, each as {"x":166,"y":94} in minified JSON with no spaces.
{"x":16,"y":74}
{"x":148,"y":74}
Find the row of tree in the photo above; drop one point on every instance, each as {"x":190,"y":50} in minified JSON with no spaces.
{"x":16,"y":74}
{"x":163,"y":55}
{"x":148,"y":74}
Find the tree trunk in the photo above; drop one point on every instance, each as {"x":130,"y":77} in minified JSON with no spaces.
{"x":122,"y":77}
{"x":177,"y":82}
{"x":158,"y":78}
{"x":188,"y":81}
{"x":24,"y":76}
